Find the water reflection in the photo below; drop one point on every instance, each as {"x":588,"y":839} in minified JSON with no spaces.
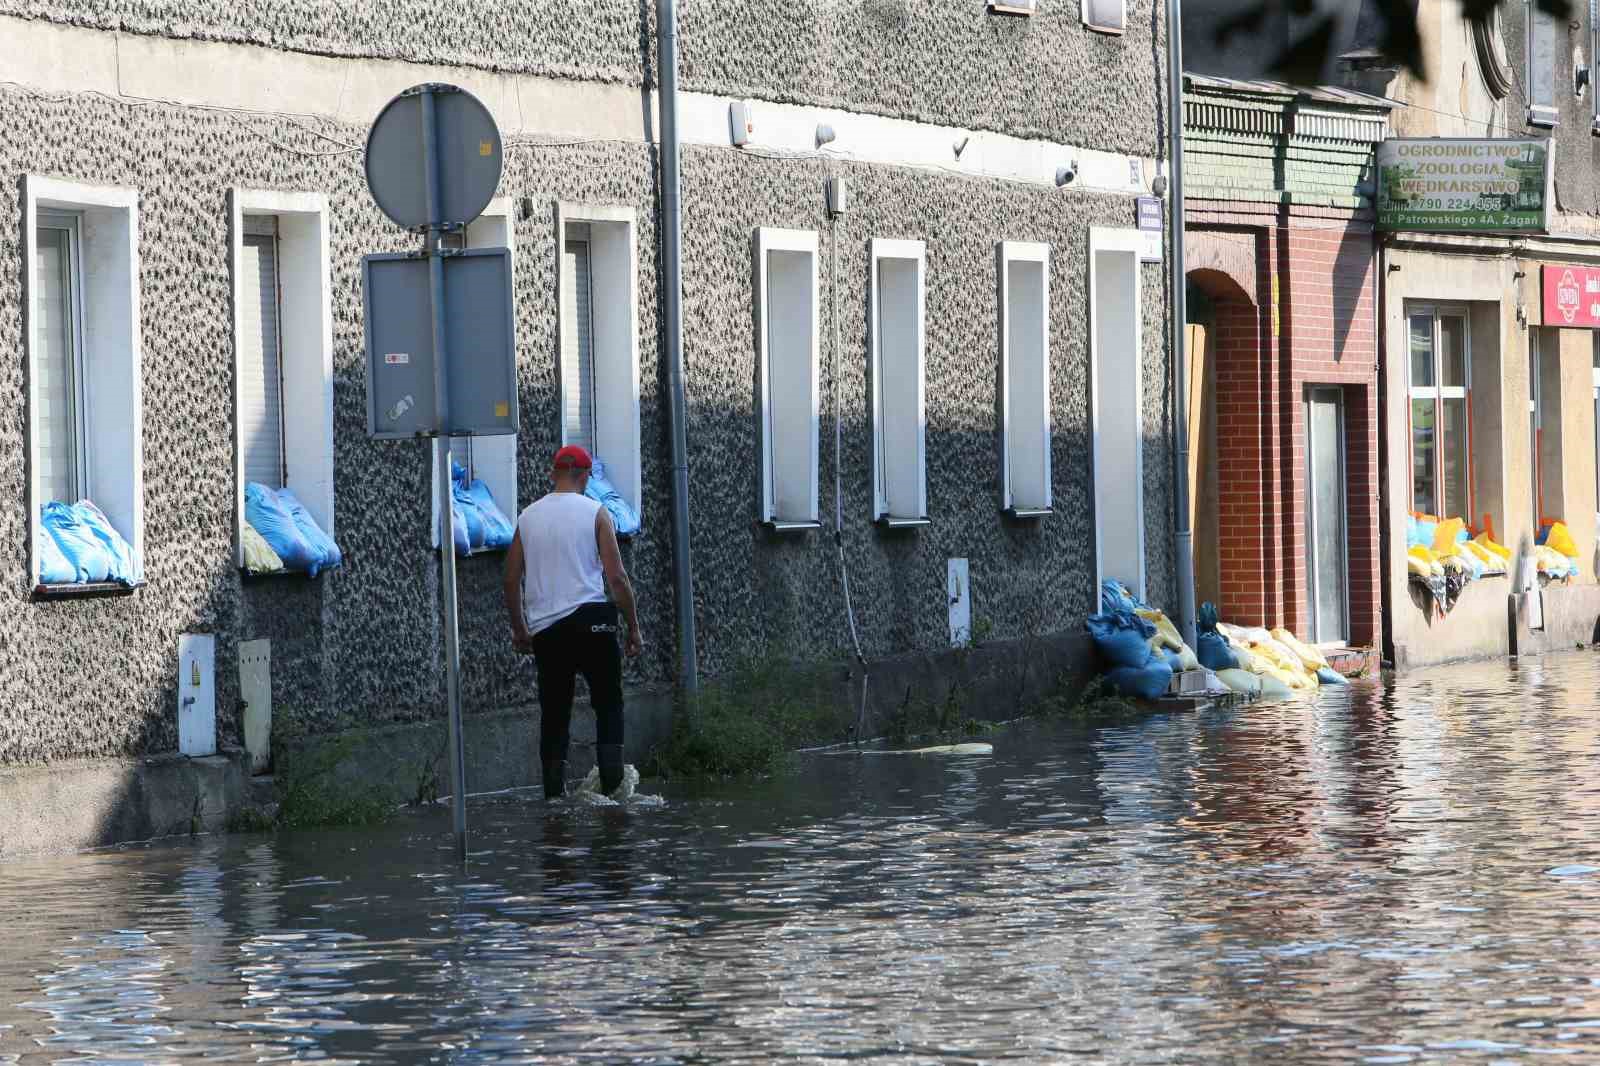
{"x":1380,"y":875}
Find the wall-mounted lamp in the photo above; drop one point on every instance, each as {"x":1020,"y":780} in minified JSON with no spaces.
{"x":824,"y":134}
{"x":1065,"y":175}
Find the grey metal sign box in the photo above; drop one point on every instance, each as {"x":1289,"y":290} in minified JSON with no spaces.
{"x":479,"y":336}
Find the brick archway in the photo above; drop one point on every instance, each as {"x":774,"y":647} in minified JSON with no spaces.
{"x":1232,"y":502}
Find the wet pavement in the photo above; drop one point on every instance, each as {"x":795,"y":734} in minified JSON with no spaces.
{"x":1383,"y":875}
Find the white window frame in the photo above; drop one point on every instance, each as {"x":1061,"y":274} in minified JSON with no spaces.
{"x":1129,"y":242}
{"x":305,"y":340}
{"x":491,"y":459}
{"x":70,"y":222}
{"x":1437,"y":392}
{"x":109,"y":353}
{"x":1118,"y":29}
{"x":1544,"y":110}
{"x":613,"y":266}
{"x":914,"y":252}
{"x":1018,"y":501}
{"x":768,"y":240}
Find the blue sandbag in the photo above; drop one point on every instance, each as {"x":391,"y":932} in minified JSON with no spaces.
{"x":460,"y":536}
{"x":1329,"y":676}
{"x":1115,"y":596}
{"x":600,"y":489}
{"x":1147,"y":682}
{"x":497,"y":528}
{"x":1122,"y":637}
{"x":1173,"y":659}
{"x":53,"y":566}
{"x":1214,"y":652}
{"x":328,"y":553}
{"x":277,"y":527}
{"x":125,"y":565}
{"x":85,"y":554}
{"x":465,"y":511}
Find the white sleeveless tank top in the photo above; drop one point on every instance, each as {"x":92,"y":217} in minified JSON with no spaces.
{"x":561,"y":561}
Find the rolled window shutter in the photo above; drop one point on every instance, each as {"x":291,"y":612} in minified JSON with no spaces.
{"x":260,"y":364}
{"x":577,"y":346}
{"x":53,"y":363}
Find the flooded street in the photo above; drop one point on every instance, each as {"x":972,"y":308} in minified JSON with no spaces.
{"x":1383,"y":876}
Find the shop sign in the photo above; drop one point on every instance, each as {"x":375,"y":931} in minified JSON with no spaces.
{"x":1571,"y":296}
{"x":1455,"y":185}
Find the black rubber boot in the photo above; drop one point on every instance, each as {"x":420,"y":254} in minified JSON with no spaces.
{"x":609,"y":758}
{"x":555,"y":778}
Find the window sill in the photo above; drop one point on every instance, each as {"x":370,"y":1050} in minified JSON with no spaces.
{"x":1028,"y":513}
{"x":778,"y":525}
{"x":90,"y":591}
{"x":999,"y":7}
{"x":251,"y":577}
{"x":476,"y":552}
{"x":891,"y":522}
{"x":1544,"y":117}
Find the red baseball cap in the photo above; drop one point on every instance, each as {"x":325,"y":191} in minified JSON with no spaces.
{"x":572,"y":457}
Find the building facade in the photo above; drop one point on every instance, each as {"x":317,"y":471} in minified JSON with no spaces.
{"x":181,"y":312}
{"x":1489,"y":372}
{"x":1282,"y":341}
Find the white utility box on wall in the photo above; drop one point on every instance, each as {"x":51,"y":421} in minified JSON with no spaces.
{"x":255,"y":689}
{"x":197,"y":694}
{"x":959,"y":592}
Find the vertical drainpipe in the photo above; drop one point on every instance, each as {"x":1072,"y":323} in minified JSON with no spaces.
{"x":1183,"y":538}
{"x":672,"y":293}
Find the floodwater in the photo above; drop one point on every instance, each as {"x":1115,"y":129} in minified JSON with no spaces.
{"x":1409,"y":874}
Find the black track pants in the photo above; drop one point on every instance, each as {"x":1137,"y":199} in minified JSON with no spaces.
{"x":584,"y":642}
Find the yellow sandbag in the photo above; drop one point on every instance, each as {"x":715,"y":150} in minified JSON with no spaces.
{"x":1167,"y":634}
{"x":1444,"y":536}
{"x":1418,"y":567}
{"x":259,"y":558}
{"x":1492,"y":563}
{"x":1546,"y":558}
{"x":1276,"y":654}
{"x":1248,"y":660}
{"x":1240,"y":681}
{"x":1483,"y":541}
{"x":1309,"y":656}
{"x":1560,"y":539}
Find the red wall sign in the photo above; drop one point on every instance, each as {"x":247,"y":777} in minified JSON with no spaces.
{"x":1571,"y":296}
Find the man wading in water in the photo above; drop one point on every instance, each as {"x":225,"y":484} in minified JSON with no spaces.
{"x":562,"y":560}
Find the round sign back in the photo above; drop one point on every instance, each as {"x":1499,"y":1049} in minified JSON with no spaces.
{"x":466,"y":145}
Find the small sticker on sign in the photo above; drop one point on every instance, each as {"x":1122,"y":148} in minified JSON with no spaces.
{"x":486,"y":148}
{"x":501,"y":410}
{"x":397,"y":358}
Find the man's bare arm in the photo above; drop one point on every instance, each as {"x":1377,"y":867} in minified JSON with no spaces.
{"x":617,"y":583}
{"x":511,"y":585}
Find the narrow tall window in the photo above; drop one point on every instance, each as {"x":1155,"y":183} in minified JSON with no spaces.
{"x":786,"y":316}
{"x":1545,"y":37}
{"x":1535,"y":421}
{"x":1107,"y":16}
{"x":59,"y":362}
{"x":899,"y":439}
{"x":577,"y":342}
{"x":1595,"y":380}
{"x":260,"y":355}
{"x":1439,"y":371}
{"x":1025,"y":378}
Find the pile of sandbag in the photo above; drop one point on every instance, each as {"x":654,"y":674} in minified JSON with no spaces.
{"x":476,"y":522}
{"x":280,"y":534}
{"x":80,"y":546}
{"x":1555,"y":553}
{"x":600,"y":489}
{"x":1140,"y":645}
{"x":1436,"y":549}
{"x":1269,"y":664}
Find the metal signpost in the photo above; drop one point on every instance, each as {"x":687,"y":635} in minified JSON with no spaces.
{"x":440,"y":348}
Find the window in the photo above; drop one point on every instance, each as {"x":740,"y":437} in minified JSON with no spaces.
{"x":1595,"y":379}
{"x":1107,"y":16}
{"x":1025,"y":378}
{"x":1544,"y":35}
{"x":1116,"y":404}
{"x":786,"y":328}
{"x":491,"y":459}
{"x":1438,"y":373}
{"x":283,"y":349}
{"x":599,"y":326}
{"x":85,"y":433}
{"x":898,"y":382}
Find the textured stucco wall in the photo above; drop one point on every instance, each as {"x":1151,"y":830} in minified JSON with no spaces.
{"x":946,"y":61}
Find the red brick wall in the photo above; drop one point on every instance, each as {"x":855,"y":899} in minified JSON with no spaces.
{"x":1319,"y":262}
